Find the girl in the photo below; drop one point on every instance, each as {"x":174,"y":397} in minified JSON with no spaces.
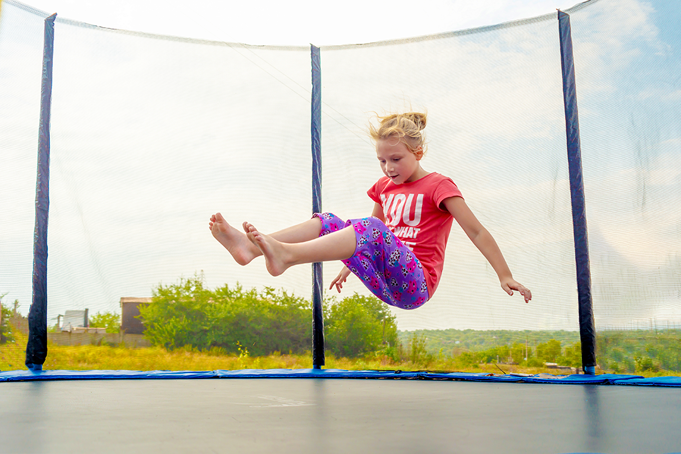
{"x":398,"y":252}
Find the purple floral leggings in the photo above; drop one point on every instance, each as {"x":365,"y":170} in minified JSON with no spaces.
{"x":387,"y":267}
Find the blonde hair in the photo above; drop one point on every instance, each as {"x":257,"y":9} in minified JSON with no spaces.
{"x":406,"y":127}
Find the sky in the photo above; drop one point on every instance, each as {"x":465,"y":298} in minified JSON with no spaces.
{"x":298,"y":22}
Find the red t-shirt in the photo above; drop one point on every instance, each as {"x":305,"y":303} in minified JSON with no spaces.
{"x":413,"y":212}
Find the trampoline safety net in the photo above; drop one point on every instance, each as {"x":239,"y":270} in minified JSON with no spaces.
{"x":150,"y":135}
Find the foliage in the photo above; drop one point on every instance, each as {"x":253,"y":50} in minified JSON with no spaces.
{"x":5,"y":331}
{"x":252,"y":323}
{"x":109,"y":320}
{"x":358,"y":325}
{"x":549,"y":351}
{"x":572,"y":355}
{"x":455,"y":341}
{"x":92,"y":357}
{"x":640,"y":351}
{"x":188,"y":314}
{"x":417,"y":352}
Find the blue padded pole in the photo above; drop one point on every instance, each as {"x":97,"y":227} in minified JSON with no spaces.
{"x":587,"y":329}
{"x":36,"y":349}
{"x":318,"y":358}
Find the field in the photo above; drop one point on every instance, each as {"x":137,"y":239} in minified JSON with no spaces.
{"x":92,"y":357}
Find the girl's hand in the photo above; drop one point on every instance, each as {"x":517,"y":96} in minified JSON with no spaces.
{"x":340,"y":279}
{"x":510,"y":284}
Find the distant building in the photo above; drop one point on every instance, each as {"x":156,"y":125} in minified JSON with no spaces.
{"x":130,"y":310}
{"x":75,"y":319}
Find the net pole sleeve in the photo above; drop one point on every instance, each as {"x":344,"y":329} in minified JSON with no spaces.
{"x":318,"y":357}
{"x":36,"y":348}
{"x":587,"y":329}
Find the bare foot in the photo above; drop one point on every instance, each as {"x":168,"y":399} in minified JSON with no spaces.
{"x":237,"y":243}
{"x":274,"y":252}
{"x":246,"y":226}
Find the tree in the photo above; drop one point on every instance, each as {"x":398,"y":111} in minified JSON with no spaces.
{"x":109,"y":320}
{"x":572,"y":355}
{"x":231,"y":318}
{"x":500,"y":353}
{"x":418,"y":354}
{"x":5,"y":314}
{"x":188,"y":314}
{"x":518,"y":351}
{"x":549,"y":351}
{"x":358,"y":325}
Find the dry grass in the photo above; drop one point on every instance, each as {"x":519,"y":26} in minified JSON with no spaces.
{"x":90,"y":357}
{"x":13,"y":355}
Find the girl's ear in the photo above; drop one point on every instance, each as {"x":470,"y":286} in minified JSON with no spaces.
{"x":418,"y":153}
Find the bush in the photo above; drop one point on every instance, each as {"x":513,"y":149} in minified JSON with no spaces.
{"x":109,"y":320}
{"x":572,"y":355}
{"x":519,"y":351}
{"x":418,"y":354}
{"x":358,"y":325}
{"x":468,"y":359}
{"x":535,"y":362}
{"x":549,"y":351}
{"x":187,"y":314}
{"x":645,"y":363}
{"x":501,"y":353}
{"x":5,"y":332}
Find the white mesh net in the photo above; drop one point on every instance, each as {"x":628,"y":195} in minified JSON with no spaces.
{"x":150,"y":135}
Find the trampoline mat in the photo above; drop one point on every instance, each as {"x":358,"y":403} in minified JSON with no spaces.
{"x":335,"y":416}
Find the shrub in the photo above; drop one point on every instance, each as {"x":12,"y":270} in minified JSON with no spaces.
{"x":188,"y":314}
{"x":549,"y":351}
{"x":572,"y":355}
{"x":358,"y":325}
{"x":645,"y":363}
{"x":5,"y":332}
{"x":109,"y":320}
{"x":418,"y":354}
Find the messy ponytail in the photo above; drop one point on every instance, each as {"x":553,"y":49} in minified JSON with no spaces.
{"x":405,"y":127}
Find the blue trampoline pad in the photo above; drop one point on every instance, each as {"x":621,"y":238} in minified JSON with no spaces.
{"x":603,"y":379}
{"x":290,"y":415}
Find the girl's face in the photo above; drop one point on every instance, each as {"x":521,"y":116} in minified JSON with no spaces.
{"x":398,"y":162}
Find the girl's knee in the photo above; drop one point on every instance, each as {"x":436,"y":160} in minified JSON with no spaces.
{"x":330,"y":223}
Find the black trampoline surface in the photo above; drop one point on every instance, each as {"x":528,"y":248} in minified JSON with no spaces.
{"x":335,"y":416}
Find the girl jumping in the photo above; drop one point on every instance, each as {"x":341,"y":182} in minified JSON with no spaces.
{"x":398,"y":252}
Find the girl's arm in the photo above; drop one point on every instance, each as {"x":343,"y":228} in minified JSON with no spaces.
{"x":345,"y":272}
{"x":484,"y":241}
{"x":378,"y":212}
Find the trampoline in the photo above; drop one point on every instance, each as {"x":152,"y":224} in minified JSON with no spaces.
{"x":336,"y":415}
{"x":127,"y":108}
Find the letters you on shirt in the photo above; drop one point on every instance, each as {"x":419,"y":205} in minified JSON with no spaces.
{"x":406,"y":208}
